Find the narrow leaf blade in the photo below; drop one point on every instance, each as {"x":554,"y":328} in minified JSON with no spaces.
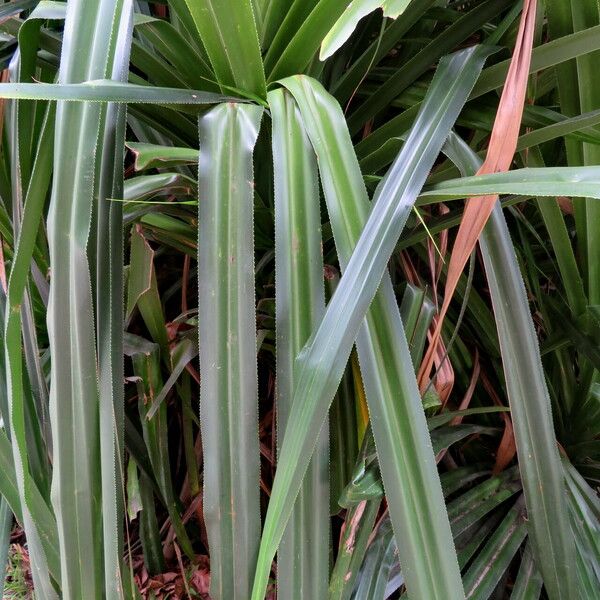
{"x":227,"y":334}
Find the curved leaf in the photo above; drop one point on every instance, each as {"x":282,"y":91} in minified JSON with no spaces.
{"x":323,"y":359}
{"x":357,"y":10}
{"x":541,"y":181}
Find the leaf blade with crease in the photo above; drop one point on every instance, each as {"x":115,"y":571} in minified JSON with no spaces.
{"x":227,"y":334}
{"x":78,"y":411}
{"x":228,"y":32}
{"x":302,"y":560}
{"x":539,"y":460}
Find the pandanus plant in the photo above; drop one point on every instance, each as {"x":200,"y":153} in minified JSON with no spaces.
{"x":306,"y":403}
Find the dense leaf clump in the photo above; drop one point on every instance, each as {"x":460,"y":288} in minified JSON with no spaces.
{"x":300,"y":299}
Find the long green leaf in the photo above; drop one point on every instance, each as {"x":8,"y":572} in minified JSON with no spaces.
{"x":585,"y":519}
{"x":539,"y":460}
{"x":142,"y":290}
{"x":291,"y":52}
{"x":480,"y":501}
{"x":559,"y":129}
{"x":560,"y":26}
{"x":383,"y":350}
{"x":542,"y":181}
{"x":490,"y":565}
{"x":227,"y":333}
{"x":280,"y":18}
{"x":353,"y":544}
{"x":555,"y":52}
{"x":154,"y":156}
{"x":181,"y":356}
{"x":379,"y":148}
{"x":344,"y":417}
{"x":378,"y":564}
{"x":144,"y":187}
{"x":180,"y":53}
{"x":106,"y":90}
{"x":528,"y":584}
{"x":323,"y":359}
{"x":34,"y":177}
{"x":8,"y":483}
{"x":303,"y":557}
{"x":146,"y":365}
{"x":568,"y":19}
{"x":6,"y":523}
{"x":78,"y":487}
{"x":343,"y":87}
{"x":6,"y":513}
{"x":561,"y":243}
{"x":228,"y":32}
{"x":149,"y":530}
{"x":109,"y":288}
{"x":40,"y":514}
{"x":586,"y":14}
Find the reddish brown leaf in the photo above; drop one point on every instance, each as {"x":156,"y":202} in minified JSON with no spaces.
{"x":566,"y":204}
{"x":464,"y":404}
{"x":501,"y":149}
{"x":507,"y":447}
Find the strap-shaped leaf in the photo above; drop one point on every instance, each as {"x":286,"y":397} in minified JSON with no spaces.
{"x":40,"y":514}
{"x":528,"y":584}
{"x":303,"y":557}
{"x":32,"y":167}
{"x":6,"y":524}
{"x":542,"y":181}
{"x":106,"y":90}
{"x":146,"y":366}
{"x":8,"y":480}
{"x":380,"y":564}
{"x":385,"y":360}
{"x":79,"y":487}
{"x":560,"y":239}
{"x":343,"y":87}
{"x":279,"y":18}
{"x":153,"y":156}
{"x":299,"y":41}
{"x":442,"y":44}
{"x":358,"y":527}
{"x":109,"y":288}
{"x":228,"y":32}
{"x":555,"y":52}
{"x":227,"y":334}
{"x":492,"y":562}
{"x":539,"y":460}
{"x":189,"y":63}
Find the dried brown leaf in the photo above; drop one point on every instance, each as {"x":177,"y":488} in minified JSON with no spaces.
{"x":501,"y":149}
